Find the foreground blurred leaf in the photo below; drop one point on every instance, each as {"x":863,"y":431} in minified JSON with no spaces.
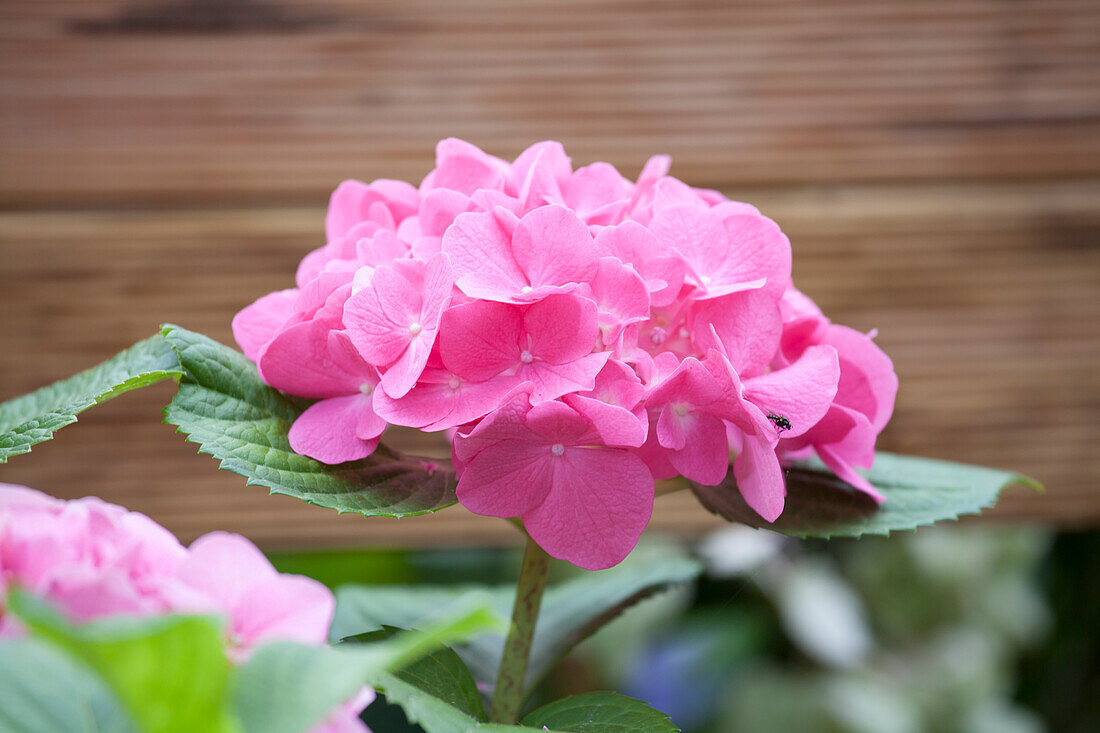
{"x":287,"y":688}
{"x":33,"y":418}
{"x":43,"y":691}
{"x":571,"y":611}
{"x":170,"y":672}
{"x":918,"y":491}
{"x":224,"y":407}
{"x":600,"y":712}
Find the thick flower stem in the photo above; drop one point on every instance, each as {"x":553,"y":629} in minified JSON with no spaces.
{"x":508,"y":697}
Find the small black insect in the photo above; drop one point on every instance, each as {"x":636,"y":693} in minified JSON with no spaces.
{"x":781,"y":423}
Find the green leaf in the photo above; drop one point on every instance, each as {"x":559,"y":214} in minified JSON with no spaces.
{"x":169,"y":672}
{"x":600,"y":712}
{"x":918,"y":491}
{"x":287,"y":688}
{"x":435,"y":715}
{"x":571,"y":611}
{"x":33,"y":418}
{"x":224,"y":407}
{"x":44,"y":691}
{"x":441,"y":673}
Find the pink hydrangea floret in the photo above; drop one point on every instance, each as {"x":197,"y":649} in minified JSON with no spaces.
{"x":578,"y":334}
{"x":94,"y":560}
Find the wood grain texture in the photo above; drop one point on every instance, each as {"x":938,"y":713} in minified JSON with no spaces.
{"x":183,"y":100}
{"x":936,"y":165}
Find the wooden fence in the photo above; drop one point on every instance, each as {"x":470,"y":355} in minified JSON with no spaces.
{"x":936,"y":166}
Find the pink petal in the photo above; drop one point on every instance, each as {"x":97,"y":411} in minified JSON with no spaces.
{"x":747,"y":324}
{"x":600,"y":503}
{"x":867,"y":379}
{"x":760,"y":478}
{"x":256,"y":325}
{"x":442,"y":400}
{"x":326,"y":431}
{"x":757,"y":249}
{"x":439,"y":209}
{"x":553,"y":247}
{"x":506,"y":479}
{"x":844,"y":471}
{"x":225,"y":567}
{"x":615,"y":425}
{"x":620,"y":293}
{"x":801,"y":392}
{"x":554,"y":380}
{"x":307,"y":359}
{"x":465,"y":174}
{"x":705,"y":454}
{"x":479,"y":340}
{"x":286,"y":607}
{"x":561,"y":328}
{"x":481,"y":256}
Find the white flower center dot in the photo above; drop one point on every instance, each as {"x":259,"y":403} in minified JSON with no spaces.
{"x":453,"y":383}
{"x":366,"y":388}
{"x":415,"y":329}
{"x":681,"y":409}
{"x":705,"y":279}
{"x":526,"y":357}
{"x":658,"y":336}
{"x":557,"y":449}
{"x":525,"y":289}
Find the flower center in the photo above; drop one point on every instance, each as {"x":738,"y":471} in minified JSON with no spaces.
{"x":525,"y":289}
{"x":680,"y":409}
{"x":658,"y":336}
{"x":453,"y":383}
{"x":366,"y":388}
{"x":526,"y":357}
{"x":415,"y":329}
{"x":557,"y":449}
{"x":705,"y":279}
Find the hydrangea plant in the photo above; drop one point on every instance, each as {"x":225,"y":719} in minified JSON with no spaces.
{"x":585,"y":342}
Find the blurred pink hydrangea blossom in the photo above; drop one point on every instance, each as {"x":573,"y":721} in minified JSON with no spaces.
{"x":555,"y":321}
{"x":93,"y":560}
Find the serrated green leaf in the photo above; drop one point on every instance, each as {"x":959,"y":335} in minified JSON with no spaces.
{"x":571,"y":611}
{"x":287,"y":688}
{"x":224,"y":407}
{"x":918,"y":491}
{"x":600,"y":712}
{"x":169,"y":672}
{"x":35,"y":417}
{"x":44,"y":691}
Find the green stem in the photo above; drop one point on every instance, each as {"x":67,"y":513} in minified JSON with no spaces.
{"x":508,"y":697}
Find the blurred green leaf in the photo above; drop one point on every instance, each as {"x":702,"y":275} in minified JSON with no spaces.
{"x":571,"y":611}
{"x":34,"y":417}
{"x":225,"y":407}
{"x":170,"y":672}
{"x":918,"y":491}
{"x":286,"y":687}
{"x":44,"y":691}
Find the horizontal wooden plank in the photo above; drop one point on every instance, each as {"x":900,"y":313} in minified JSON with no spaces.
{"x":124,"y":101}
{"x":984,"y":294}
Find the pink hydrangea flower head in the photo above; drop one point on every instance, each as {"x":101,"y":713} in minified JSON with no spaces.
{"x":95,"y":560}
{"x":529,"y":304}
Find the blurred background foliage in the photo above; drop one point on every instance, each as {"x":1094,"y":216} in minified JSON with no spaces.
{"x":947,"y":630}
